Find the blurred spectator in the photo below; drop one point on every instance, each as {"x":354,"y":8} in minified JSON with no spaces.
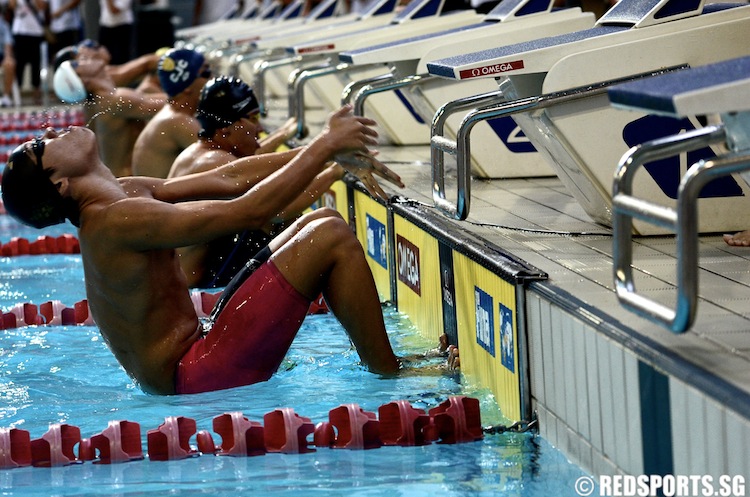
{"x":65,"y":22}
{"x":212,"y":10}
{"x":155,"y":29}
{"x":116,"y":28}
{"x":8,"y":63}
{"x":28,"y":35}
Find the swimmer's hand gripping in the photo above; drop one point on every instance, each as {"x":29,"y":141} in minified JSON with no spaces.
{"x":363,"y":165}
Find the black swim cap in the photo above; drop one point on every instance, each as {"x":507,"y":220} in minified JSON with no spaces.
{"x":223,"y":102}
{"x":28,"y":193}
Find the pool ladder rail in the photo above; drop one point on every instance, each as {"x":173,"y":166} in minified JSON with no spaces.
{"x":456,"y":420}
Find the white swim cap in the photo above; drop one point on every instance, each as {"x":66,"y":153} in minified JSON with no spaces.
{"x":68,"y":85}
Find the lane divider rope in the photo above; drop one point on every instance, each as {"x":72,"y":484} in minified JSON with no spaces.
{"x":397,"y":423}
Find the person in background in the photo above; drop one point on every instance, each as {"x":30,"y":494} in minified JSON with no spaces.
{"x":65,"y":23}
{"x":116,"y":29}
{"x":207,"y":11}
{"x":8,"y":63}
{"x":28,"y":35}
{"x":154,"y":27}
{"x":182,"y":73}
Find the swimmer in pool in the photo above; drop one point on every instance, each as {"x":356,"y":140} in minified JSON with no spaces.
{"x":229,"y":118}
{"x":130,"y":227}
{"x":116,"y":113}
{"x":182,"y":73}
{"x":139,"y":73}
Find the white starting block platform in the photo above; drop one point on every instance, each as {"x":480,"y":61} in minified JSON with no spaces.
{"x":230,"y":44}
{"x":578,"y":131}
{"x":720,"y":88}
{"x":241,"y":29}
{"x":274,"y":46}
{"x":502,"y":150}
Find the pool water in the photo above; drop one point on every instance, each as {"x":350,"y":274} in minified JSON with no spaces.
{"x":67,"y":375}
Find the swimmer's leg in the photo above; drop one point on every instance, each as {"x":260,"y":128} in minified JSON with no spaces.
{"x":320,"y":253}
{"x":262,"y":256}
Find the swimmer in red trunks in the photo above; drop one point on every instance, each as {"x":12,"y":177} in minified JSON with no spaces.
{"x":130,"y":227}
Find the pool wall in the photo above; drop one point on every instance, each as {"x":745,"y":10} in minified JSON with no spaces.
{"x":612,"y":400}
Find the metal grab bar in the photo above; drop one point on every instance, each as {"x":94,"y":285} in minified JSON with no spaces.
{"x":440,"y":145}
{"x":296,"y":85}
{"x":683,"y":220}
{"x":355,"y":86}
{"x":259,"y":77}
{"x":462,"y":146}
{"x":387,"y":85}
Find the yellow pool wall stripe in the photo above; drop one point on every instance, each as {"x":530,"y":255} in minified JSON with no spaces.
{"x":424,"y":309}
{"x":476,"y":362}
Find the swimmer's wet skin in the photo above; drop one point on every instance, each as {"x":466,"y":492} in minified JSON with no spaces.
{"x":131,"y":226}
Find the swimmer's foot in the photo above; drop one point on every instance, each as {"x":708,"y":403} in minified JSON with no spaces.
{"x":454,"y":361}
{"x":741,"y":239}
{"x":440,"y":351}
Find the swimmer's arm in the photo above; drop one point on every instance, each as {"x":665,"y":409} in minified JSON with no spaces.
{"x":143,"y":224}
{"x":274,"y":140}
{"x":290,"y":172}
{"x":318,"y":187}
{"x":133,"y":70}
{"x":132,"y":104}
{"x":186,"y":163}
{"x":227,"y":181}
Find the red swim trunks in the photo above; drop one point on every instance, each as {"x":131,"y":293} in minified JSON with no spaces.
{"x":249,"y":338}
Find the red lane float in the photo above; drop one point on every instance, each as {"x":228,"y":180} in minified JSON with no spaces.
{"x":239,"y":436}
{"x":402,"y":424}
{"x":171,"y":440}
{"x":457,"y":420}
{"x":286,"y":431}
{"x":356,"y":428}
{"x":119,"y":442}
{"x":51,"y":313}
{"x":55,"y":313}
{"x":45,"y":244}
{"x":15,"y":448}
{"x":55,"y":448}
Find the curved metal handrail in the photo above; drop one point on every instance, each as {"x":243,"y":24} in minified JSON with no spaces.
{"x":681,"y":220}
{"x":461,"y":148}
{"x":387,"y":85}
{"x":259,"y":77}
{"x":351,"y":89}
{"x":296,"y":83}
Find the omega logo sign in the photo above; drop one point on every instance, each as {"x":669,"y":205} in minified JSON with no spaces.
{"x":408,"y":264}
{"x":478,"y":72}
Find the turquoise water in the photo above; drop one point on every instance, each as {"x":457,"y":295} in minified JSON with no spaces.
{"x":67,"y":375}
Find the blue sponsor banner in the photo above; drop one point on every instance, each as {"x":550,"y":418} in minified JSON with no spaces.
{"x":376,"y":241}
{"x":506,"y":339}
{"x":485,"y":320}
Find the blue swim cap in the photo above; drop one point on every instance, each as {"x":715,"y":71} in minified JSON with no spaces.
{"x":178,"y":69}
